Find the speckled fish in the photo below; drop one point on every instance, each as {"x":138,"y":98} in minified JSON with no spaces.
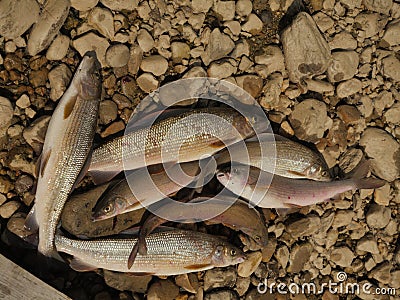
{"x":176,"y":139}
{"x":235,"y":214}
{"x":170,"y":252}
{"x":120,"y":199}
{"x":66,"y":148}
{"x":292,"y":159}
{"x":287,"y":192}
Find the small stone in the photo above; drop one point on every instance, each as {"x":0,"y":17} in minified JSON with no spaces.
{"x":382,"y":195}
{"x":273,"y":60}
{"x":369,"y":24}
{"x":108,"y":112}
{"x":145,"y":40}
{"x":103,"y":21}
{"x":319,"y":86}
{"x":147,"y":82}
{"x":162,"y":290}
{"x":323,"y":21}
{"x":119,"y":5}
{"x":392,"y":33}
{"x":58,"y":48}
{"x":224,"y":294}
{"x":224,"y":9}
{"x":384,"y":150}
{"x":135,"y":59}
{"x":381,"y":272}
{"x":216,"y":278}
{"x":367,"y":244}
{"x":395,"y":282}
{"x":52,"y":17}
{"x":59,"y":78}
{"x":6,"y":113}
{"x":251,"y":263}
{"x":92,"y":42}
{"x":17,"y":16}
{"x":349,"y":114}
{"x":282,"y":256}
{"x":299,"y":255}
{"x":189,"y":282}
{"x":126,"y":281}
{"x":9,"y":208}
{"x":201,"y":6}
{"x":243,"y":7}
{"x":180,"y":51}
{"x":303,"y":227}
{"x":23,"y":184}
{"x":392,"y":115}
{"x":155,"y":64}
{"x":113,"y":128}
{"x":23,"y":101}
{"x":391,"y":67}
{"x":250,"y":83}
{"x":195,"y":72}
{"x":242,"y":285}
{"x":342,"y":218}
{"x":343,"y":40}
{"x":253,"y":25}
{"x":348,"y":88}
{"x":344,"y":66}
{"x":382,"y":101}
{"x":83,"y":5}
{"x":10,"y":47}
{"x":220,"y":69}
{"x":30,"y":113}
{"x":117,"y":55}
{"x":380,"y":6}
{"x":342,"y":256}
{"x":219,"y":45}
{"x":378,"y":216}
{"x":35,"y":133}
{"x":306,"y":51}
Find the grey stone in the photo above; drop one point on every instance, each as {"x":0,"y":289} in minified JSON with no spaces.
{"x":344,"y":66}
{"x":216,"y":278}
{"x":378,"y":216}
{"x":342,"y":256}
{"x":219,"y":46}
{"x":59,"y":78}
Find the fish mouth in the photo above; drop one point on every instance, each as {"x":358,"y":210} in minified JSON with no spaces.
{"x":241,"y":258}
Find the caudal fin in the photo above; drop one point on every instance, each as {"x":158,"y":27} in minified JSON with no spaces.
{"x":360,"y":180}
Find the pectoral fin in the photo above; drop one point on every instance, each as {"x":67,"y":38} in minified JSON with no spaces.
{"x":43,"y":161}
{"x":31,"y":222}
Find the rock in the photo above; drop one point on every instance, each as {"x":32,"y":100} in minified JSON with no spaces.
{"x":58,"y":48}
{"x":23,"y":101}
{"x":350,"y":159}
{"x":52,"y":17}
{"x":145,"y":40}
{"x":119,"y":5}
{"x":306,"y":51}
{"x":319,"y":86}
{"x":224,"y":294}
{"x":180,"y":51}
{"x":219,"y":46}
{"x":17,"y":16}
{"x":342,"y":256}
{"x":344,"y":66}
{"x":243,"y":7}
{"x":395,"y":282}
{"x":135,"y":59}
{"x":253,"y":260}
{"x":77,"y":211}
{"x":92,"y":42}
{"x":369,"y":24}
{"x":349,"y":114}
{"x":299,"y":255}
{"x":381,"y":272}
{"x":250,"y":83}
{"x":6,"y":114}
{"x":126,"y":281}
{"x":201,"y":6}
{"x":147,"y":82}
{"x":391,"y":67}
{"x":342,"y":218}
{"x":392,"y":33}
{"x":188,"y":282}
{"x":9,"y":208}
{"x":117,"y":55}
{"x":343,"y":40}
{"x":155,"y":64}
{"x":23,"y":184}
{"x":108,"y":111}
{"x":378,"y":216}
{"x":59,"y":78}
{"x":323,"y":21}
{"x":242,"y":285}
{"x":253,"y":25}
{"x":113,"y":128}
{"x":38,"y":77}
{"x":367,"y":244}
{"x":162,"y":290}
{"x":282,"y":256}
{"x":273,"y":60}
{"x":196,"y":71}
{"x":348,"y":88}
{"x":392,"y":115}
{"x":382,"y":195}
{"x":224,"y":9}
{"x":35,"y":133}
{"x":384,"y":150}
{"x":303,"y":227}
{"x":5,"y":185}
{"x":383,"y":100}
{"x":309,"y":120}
{"x":83,"y":5}
{"x":103,"y":21}
{"x":380,"y":6}
{"x":218,"y":277}
{"x":221,"y":69}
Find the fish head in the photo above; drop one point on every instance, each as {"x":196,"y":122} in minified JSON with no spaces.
{"x":243,"y":125}
{"x":225,"y":254}
{"x":318,"y":171}
{"x":261,"y":237}
{"x":89,"y":75}
{"x":108,"y":207}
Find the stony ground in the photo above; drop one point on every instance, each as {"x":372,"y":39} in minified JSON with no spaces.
{"x":328,"y":76}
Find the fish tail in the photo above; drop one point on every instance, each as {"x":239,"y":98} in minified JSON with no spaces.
{"x":360,"y":180}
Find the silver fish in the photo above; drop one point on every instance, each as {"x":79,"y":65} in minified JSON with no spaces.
{"x":170,"y":252}
{"x":286,"y":192}
{"x":67,"y":146}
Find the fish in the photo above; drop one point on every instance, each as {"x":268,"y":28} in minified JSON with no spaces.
{"x":229,"y":211}
{"x":187,"y":136}
{"x":66,"y":151}
{"x":278,"y":155}
{"x":170,"y":252}
{"x":120,"y":199}
{"x":284,"y":192}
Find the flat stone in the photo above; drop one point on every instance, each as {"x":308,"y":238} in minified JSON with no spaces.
{"x":253,"y":25}
{"x":380,"y":6}
{"x":108,"y":111}
{"x":382,"y":101}
{"x":342,"y":256}
{"x":251,"y":263}
{"x":343,"y":40}
{"x":38,"y":77}
{"x":392,"y":33}
{"x":9,"y":208}
{"x":391,"y":68}
{"x":342,"y":218}
{"x":103,"y":21}
{"x":273,"y":60}
{"x":17,"y":16}
{"x":196,"y":71}
{"x":344,"y":66}
{"x":243,"y":7}
{"x":282,"y":256}
{"x":155,"y":64}
{"x":348,"y":88}
{"x":126,"y":281}
{"x":319,"y":86}
{"x":219,"y":46}
{"x":92,"y":42}
{"x":59,"y":78}
{"x":188,"y":282}
{"x":382,"y":195}
{"x":83,"y":5}
{"x":219,"y":277}
{"x":303,"y":227}
{"x":380,"y":145}
{"x":367,"y":244}
{"x":6,"y":113}
{"x":224,"y":9}
{"x":223,"y":294}
{"x":120,"y":5}
{"x":299,"y":255}
{"x":35,"y":133}
{"x":135,"y":59}
{"x":242,"y":285}
{"x":201,"y":6}
{"x":369,"y":24}
{"x":113,"y":128}
{"x":306,"y":51}
{"x":58,"y":48}
{"x":147,"y":82}
{"x":220,"y":69}
{"x":163,"y":289}
{"x":180,"y":51}
{"x":145,"y":40}
{"x":323,"y":21}
{"x":392,"y":115}
{"x":349,"y":114}
{"x":23,"y":101}
{"x":52,"y":17}
{"x":378,"y":216}
{"x":117,"y":55}
{"x":250,"y":83}
{"x":381,"y":272}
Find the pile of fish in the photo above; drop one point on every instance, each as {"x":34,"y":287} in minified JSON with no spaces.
{"x":295,"y":176}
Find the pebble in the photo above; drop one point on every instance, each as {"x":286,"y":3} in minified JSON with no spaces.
{"x":103,"y":21}
{"x":92,"y":42}
{"x":224,"y":9}
{"x":147,"y":82}
{"x":382,"y":195}
{"x":381,"y":272}
{"x":273,"y":60}
{"x":242,"y":285}
{"x":219,"y":46}
{"x":188,"y":282}
{"x":83,"y":5}
{"x":391,"y":68}
{"x":370,"y":24}
{"x":348,"y":88}
{"x":367,"y":244}
{"x":342,"y":218}
{"x":250,"y":83}
{"x":380,"y":145}
{"x":180,"y":51}
{"x":38,"y":77}
{"x":282,"y":256}
{"x":162,"y":290}
{"x":117,"y":55}
{"x":224,"y":294}
{"x":392,"y":115}
{"x":145,"y":40}
{"x":349,"y":114}
{"x":155,"y":64}
{"x":323,"y":21}
{"x":108,"y":112}
{"x":201,"y":6}
{"x":392,"y":33}
{"x":9,"y":208}
{"x":378,"y":216}
{"x":119,"y":5}
{"x":6,"y":114}
{"x":113,"y":128}
{"x":52,"y":17}
{"x":306,"y":51}
{"x":23,"y":101}
{"x":299,"y":255}
{"x":135,"y":59}
{"x":319,"y":86}
{"x":221,"y":69}
{"x":243,"y":7}
{"x":344,"y":66}
{"x":23,"y":184}
{"x":58,"y":48}
{"x":309,"y":120}
{"x":34,"y":134}
{"x":343,"y":40}
{"x":218,"y":277}
{"x":59,"y":78}
{"x":17,"y":16}
{"x":380,"y":6}
{"x":126,"y":281}
{"x":253,"y":25}
{"x":10,"y":47}
{"x":303,"y":227}
{"x":342,"y":256}
{"x":251,"y":263}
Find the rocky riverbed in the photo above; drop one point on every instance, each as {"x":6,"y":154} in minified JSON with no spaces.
{"x":326,"y":72}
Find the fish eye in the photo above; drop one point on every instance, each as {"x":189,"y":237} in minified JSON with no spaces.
{"x":324,"y":173}
{"x":257,"y":238}
{"x":107,"y":209}
{"x":233,"y":252}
